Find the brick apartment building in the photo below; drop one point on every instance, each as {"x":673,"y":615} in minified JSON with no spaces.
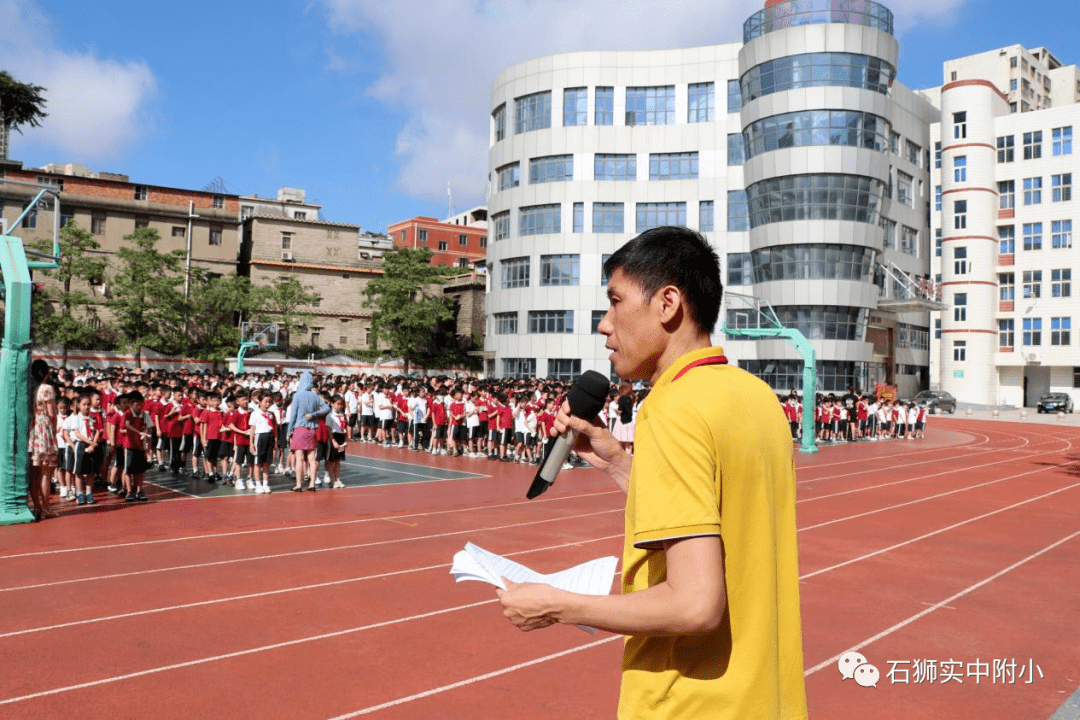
{"x":459,"y":241}
{"x":110,"y":206}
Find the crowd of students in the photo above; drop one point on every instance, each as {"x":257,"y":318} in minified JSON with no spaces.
{"x":104,"y":430}
{"x":852,"y":417}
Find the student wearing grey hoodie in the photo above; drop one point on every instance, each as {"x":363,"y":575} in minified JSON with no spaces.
{"x":302,"y":420}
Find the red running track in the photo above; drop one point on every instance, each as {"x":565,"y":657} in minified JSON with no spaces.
{"x":960,"y":548}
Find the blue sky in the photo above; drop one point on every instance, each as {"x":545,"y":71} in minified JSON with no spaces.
{"x":371,"y":105}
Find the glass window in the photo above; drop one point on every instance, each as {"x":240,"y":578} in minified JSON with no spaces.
{"x":738,"y":211}
{"x":30,"y":219}
{"x":1061,"y":186}
{"x":1007,"y":194}
{"x":1033,"y":145}
{"x":603,"y":273}
{"x":515,"y":273}
{"x":607,"y":217}
{"x":650,"y":105}
{"x":959,"y":131}
{"x":937,"y":155}
{"x":734,"y":96}
{"x":1062,"y":140}
{"x":502,"y":224}
{"x":736,"y":149}
{"x":803,"y":262}
{"x":563,"y":369}
{"x":551,"y":321}
{"x":909,"y":240}
{"x":552,"y":168}
{"x":215,"y":235}
{"x":559,"y":270}
{"x":1032,"y":331}
{"x":700,"y":103}
{"x":1007,"y":238}
{"x":740,"y":269}
{"x":540,"y":219}
{"x":912,"y":151}
{"x":443,"y":245}
{"x":889,"y":226}
{"x":1061,"y":282}
{"x":509,"y":176}
{"x":1061,"y":234}
{"x":1006,"y":287}
{"x":657,"y":214}
{"x":604,"y":106}
{"x":960,"y":307}
{"x":575,"y":106}
{"x":499,"y":119}
{"x":674,"y":166}
{"x":615,"y":166}
{"x":1006,"y":333}
{"x":905,"y":190}
{"x":937,"y":242}
{"x":705,"y":216}
{"x":1006,"y":147}
{"x":817,"y":127}
{"x":827,"y":322}
{"x":960,"y":168}
{"x":816,"y":70}
{"x":894,"y":143}
{"x":597,"y":318}
{"x":937,"y":198}
{"x":959,"y":353}
{"x":506,"y":323}
{"x":1032,"y":191}
{"x":1033,"y":236}
{"x":815,"y":197}
{"x":579,"y":217}
{"x":97,"y":223}
{"x":532,"y":112}
{"x":1060,"y":330}
{"x":960,"y":266}
{"x":140,"y":192}
{"x":960,"y":215}
{"x":519,"y":367}
{"x":1032,"y":284}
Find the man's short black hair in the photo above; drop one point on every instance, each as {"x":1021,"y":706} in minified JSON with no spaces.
{"x":678,"y":256}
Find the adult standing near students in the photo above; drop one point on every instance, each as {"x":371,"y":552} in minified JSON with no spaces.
{"x":42,"y":440}
{"x":302,"y":420}
{"x":710,"y":591}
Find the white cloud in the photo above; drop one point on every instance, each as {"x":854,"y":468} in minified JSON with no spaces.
{"x":442,"y":55}
{"x":96,"y":106}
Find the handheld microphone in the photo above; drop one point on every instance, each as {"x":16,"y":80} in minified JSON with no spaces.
{"x":586,"y":398}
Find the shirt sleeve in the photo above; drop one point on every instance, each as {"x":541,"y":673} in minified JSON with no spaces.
{"x":677,"y":485}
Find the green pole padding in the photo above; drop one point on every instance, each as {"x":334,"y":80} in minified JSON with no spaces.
{"x":14,"y":379}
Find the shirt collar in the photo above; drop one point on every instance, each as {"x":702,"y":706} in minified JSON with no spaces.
{"x":684,"y":360}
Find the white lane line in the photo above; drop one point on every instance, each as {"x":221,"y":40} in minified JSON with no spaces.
{"x":866,"y":460}
{"x":966,"y":591}
{"x":281,"y":591}
{"x":241,"y":653}
{"x":306,"y":526}
{"x":930,"y":497}
{"x":387,"y":471}
{"x":170,"y":490}
{"x":477,"y":678}
{"x":298,"y":553}
{"x":901,"y":482}
{"x":931,"y":534}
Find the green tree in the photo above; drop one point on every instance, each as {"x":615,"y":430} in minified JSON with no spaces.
{"x":216,"y":305}
{"x":285,"y":299}
{"x":74,"y":319}
{"x":20,"y":104}
{"x":148,"y":307}
{"x":408,"y":306}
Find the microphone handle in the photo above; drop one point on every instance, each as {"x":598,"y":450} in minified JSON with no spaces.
{"x":555,"y":454}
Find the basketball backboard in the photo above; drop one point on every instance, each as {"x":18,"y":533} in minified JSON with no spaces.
{"x":263,"y":334}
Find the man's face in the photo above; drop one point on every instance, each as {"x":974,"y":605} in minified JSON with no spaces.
{"x":633,"y":329}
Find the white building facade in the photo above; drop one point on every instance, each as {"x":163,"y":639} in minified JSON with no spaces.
{"x":796,"y":153}
{"x":1004,"y":217}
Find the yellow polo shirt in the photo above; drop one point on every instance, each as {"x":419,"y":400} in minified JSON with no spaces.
{"x":713,"y":456}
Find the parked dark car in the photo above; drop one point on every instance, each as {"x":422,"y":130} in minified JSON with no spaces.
{"x":938,"y":401}
{"x":1055,"y":402}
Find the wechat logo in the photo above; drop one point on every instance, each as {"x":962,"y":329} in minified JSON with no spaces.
{"x":853,"y":666}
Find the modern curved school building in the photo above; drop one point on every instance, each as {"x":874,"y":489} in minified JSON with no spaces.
{"x":797,"y":153}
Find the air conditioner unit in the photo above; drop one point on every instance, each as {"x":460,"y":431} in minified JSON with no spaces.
{"x":1032,"y":358}
{"x":286,"y":256}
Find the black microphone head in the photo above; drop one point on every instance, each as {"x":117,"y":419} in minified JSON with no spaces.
{"x":587,"y":395}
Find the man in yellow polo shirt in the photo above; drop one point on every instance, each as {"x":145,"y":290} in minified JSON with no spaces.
{"x":710,"y":589}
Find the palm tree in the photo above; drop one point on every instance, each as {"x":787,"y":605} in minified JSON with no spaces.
{"x":20,"y":104}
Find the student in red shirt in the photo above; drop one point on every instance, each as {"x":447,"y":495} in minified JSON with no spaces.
{"x":459,"y":438}
{"x":114,"y":450}
{"x":240,"y":426}
{"x":225,"y":454}
{"x":211,"y":419}
{"x":441,"y":422}
{"x":506,"y":427}
{"x":134,"y":438}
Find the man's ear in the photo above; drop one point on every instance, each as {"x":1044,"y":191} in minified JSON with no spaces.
{"x":670,"y":301}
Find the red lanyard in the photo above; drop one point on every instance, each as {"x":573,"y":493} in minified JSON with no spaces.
{"x":710,"y":360}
